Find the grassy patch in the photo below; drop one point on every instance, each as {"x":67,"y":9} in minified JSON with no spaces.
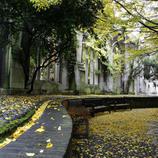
{"x":10,"y":127}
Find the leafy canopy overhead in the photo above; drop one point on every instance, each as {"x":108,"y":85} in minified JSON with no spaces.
{"x":44,"y":4}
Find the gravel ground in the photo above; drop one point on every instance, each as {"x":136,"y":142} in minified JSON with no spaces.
{"x":129,"y":134}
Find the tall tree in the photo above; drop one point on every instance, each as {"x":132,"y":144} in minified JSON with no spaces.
{"x":38,"y":21}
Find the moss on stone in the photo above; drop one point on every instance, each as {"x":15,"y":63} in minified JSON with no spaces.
{"x":90,"y":89}
{"x":12,"y":125}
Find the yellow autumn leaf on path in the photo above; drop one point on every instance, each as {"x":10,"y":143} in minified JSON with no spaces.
{"x":40,"y":130}
{"x":49,"y":145}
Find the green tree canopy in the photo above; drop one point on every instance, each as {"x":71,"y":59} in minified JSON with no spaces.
{"x":42,"y":22}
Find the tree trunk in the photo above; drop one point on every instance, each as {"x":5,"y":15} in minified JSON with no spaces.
{"x":33,"y":79}
{"x":129,"y":80}
{"x":26,"y":46}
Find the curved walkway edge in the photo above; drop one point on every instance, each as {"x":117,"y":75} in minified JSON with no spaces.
{"x":48,"y":138}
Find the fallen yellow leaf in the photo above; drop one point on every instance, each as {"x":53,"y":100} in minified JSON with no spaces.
{"x":40,"y":130}
{"x":49,"y":145}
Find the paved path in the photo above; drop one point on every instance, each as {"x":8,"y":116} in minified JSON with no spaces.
{"x":153,"y":131}
{"x":51,"y":143}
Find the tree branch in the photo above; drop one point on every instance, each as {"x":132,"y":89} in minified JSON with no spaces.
{"x":148,"y":20}
{"x":147,"y":26}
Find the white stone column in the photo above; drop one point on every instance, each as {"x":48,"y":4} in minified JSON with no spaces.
{"x":86,"y":67}
{"x":57,"y":71}
{"x":126,"y":67}
{"x":143,"y":83}
{"x":101,"y":78}
{"x":136,"y":84}
{"x":91,"y":68}
{"x":7,"y":64}
{"x":1,"y":67}
{"x":96,"y":78}
{"x":79,"y":37}
{"x":8,"y":61}
{"x":77,"y":77}
{"x":64,"y":76}
{"x":48,"y":73}
{"x":111,"y":56}
{"x":16,"y":81}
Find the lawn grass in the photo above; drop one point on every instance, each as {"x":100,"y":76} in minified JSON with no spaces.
{"x":11,"y":126}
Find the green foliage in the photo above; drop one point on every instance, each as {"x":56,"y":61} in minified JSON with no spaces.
{"x":90,"y":89}
{"x":43,"y":4}
{"x":97,"y":72}
{"x":46,"y":87}
{"x":47,"y":25}
{"x":125,"y":23}
{"x":12,"y":125}
{"x":118,"y":63}
{"x":151,"y":67}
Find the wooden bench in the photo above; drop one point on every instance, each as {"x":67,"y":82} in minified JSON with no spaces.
{"x":114,"y":103}
{"x":105,"y":104}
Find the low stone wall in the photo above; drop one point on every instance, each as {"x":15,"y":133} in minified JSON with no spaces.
{"x":12,"y":91}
